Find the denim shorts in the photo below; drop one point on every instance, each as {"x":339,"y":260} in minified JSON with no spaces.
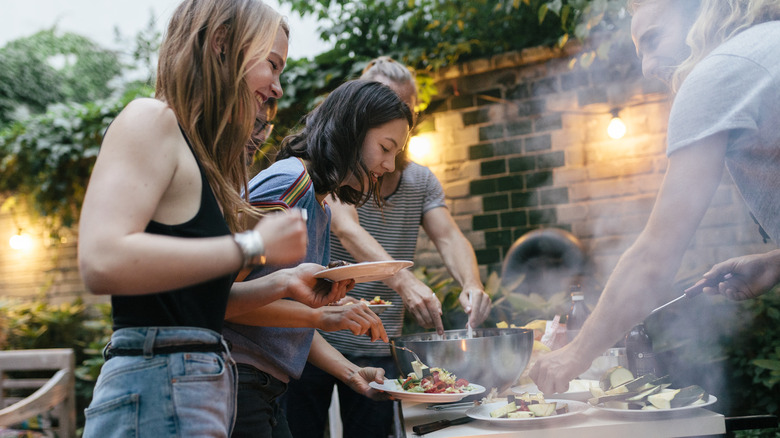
{"x":178,"y":394}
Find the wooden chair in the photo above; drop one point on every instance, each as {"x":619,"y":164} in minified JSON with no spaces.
{"x":57,"y":393}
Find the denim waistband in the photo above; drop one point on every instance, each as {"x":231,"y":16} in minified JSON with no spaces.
{"x":149,"y":341}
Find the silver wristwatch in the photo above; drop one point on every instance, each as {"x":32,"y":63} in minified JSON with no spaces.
{"x":251,"y":244}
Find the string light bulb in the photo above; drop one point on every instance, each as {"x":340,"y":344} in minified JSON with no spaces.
{"x":419,"y":147}
{"x":616,"y":128}
{"x":21,"y":241}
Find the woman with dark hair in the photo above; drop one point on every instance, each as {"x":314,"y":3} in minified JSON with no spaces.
{"x":344,"y":147}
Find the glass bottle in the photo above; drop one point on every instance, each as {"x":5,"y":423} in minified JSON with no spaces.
{"x":639,"y":351}
{"x":577,"y":314}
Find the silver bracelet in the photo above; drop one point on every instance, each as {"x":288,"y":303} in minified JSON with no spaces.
{"x":251,"y":244}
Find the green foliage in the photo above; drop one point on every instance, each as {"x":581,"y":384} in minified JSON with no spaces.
{"x":38,"y":324}
{"x":46,"y":68}
{"x":517,"y":309}
{"x":430,"y":34}
{"x":46,"y":161}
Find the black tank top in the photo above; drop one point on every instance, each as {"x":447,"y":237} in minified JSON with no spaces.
{"x":201,"y":305}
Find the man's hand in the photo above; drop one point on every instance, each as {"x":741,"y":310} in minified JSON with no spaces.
{"x":480,"y":310}
{"x":357,"y":318}
{"x":422,"y":302}
{"x":360,"y":379}
{"x":751,"y":276}
{"x":554,"y":370}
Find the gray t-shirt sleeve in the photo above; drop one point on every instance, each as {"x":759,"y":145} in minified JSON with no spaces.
{"x":723,"y":93}
{"x":434,"y":193}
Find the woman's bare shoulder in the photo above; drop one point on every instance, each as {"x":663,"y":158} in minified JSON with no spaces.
{"x":145,"y":121}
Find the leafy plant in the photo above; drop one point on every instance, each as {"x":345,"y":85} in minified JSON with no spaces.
{"x":38,"y":324}
{"x":46,"y":68}
{"x":46,"y":161}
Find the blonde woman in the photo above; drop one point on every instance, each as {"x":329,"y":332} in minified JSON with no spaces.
{"x":723,"y":63}
{"x":160,"y":229}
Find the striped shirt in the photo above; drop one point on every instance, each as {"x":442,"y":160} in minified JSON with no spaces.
{"x":396,"y":227}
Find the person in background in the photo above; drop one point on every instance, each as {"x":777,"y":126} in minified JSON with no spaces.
{"x":261,"y":131}
{"x":721,"y":59}
{"x":345,"y":147}
{"x":412,"y":197}
{"x":160,"y":229}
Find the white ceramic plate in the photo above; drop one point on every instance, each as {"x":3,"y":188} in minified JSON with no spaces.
{"x":390,"y":387}
{"x":635,"y":413}
{"x":482,"y":412}
{"x":364,"y":272}
{"x":579,"y":389}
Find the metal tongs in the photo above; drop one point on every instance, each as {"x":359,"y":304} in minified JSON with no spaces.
{"x":695,"y":290}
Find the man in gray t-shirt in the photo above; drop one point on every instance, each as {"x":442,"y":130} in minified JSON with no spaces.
{"x":726,"y":114}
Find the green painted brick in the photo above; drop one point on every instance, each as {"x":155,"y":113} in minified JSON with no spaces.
{"x":521,"y":164}
{"x":538,"y":179}
{"x":514,"y":219}
{"x":532,"y":107}
{"x":510,"y":182}
{"x":522,"y":127}
{"x":482,"y":186}
{"x":520,"y":92}
{"x":549,"y":161}
{"x":538,"y":143}
{"x":476,"y":117}
{"x":480,"y":151}
{"x":497,"y":202}
{"x":493,"y":167}
{"x":494,"y":93}
{"x":550,"y":122}
{"x":463,"y":101}
{"x":544,"y":216}
{"x":508,"y":147}
{"x":484,"y":222}
{"x":488,"y":255}
{"x":524,"y":199}
{"x":501,"y":238}
{"x":491,"y":132}
{"x":555,"y":196}
{"x":521,"y":231}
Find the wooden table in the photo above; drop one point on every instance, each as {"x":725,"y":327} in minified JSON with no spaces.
{"x":589,"y":424}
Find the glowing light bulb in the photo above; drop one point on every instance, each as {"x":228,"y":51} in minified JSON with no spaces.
{"x":419,"y":147}
{"x":21,"y":242}
{"x":616,"y":129}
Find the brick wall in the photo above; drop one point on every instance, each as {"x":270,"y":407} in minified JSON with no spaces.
{"x":45,"y":269}
{"x":521,"y":144}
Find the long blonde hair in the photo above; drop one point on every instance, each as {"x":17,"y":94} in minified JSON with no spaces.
{"x":207,"y":91}
{"x":718,"y":21}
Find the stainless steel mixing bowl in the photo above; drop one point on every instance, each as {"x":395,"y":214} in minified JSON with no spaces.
{"x":492,"y":358}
